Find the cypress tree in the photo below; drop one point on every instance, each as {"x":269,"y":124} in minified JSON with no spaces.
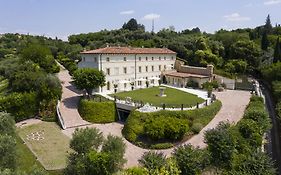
{"x":268,"y":25}
{"x":264,"y":41}
{"x":277,"y":52}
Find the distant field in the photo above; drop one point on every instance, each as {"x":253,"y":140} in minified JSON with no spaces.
{"x":52,"y":147}
{"x":150,"y":95}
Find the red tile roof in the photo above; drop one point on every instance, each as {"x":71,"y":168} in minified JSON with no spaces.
{"x":129,"y":50}
{"x":185,"y":75}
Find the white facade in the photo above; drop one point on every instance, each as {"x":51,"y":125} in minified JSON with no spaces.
{"x":124,"y":69}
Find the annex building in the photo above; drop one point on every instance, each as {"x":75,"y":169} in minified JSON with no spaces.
{"x":128,"y":68}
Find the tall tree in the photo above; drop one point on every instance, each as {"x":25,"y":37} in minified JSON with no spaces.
{"x":268,"y":25}
{"x":132,"y":25}
{"x":264,"y":41}
{"x":277,"y":52}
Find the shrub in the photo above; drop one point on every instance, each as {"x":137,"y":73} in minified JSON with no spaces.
{"x":191,"y":161}
{"x":21,"y":105}
{"x":196,"y":127}
{"x":161,"y":146}
{"x":134,"y":130}
{"x":278,"y":110}
{"x":259,"y":116}
{"x":136,"y":171}
{"x":84,"y":140}
{"x":192,"y":84}
{"x":7,"y":124}
{"x":152,"y":160}
{"x":166,"y":128}
{"x":97,"y":112}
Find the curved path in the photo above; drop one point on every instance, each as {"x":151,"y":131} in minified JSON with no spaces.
{"x":233,"y":106}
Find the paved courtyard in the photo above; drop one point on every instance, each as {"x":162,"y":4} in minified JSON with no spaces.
{"x":233,"y":106}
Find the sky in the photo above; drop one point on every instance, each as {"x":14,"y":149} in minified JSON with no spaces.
{"x":62,"y":18}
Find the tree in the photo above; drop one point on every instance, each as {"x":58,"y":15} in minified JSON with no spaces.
{"x":7,"y":124}
{"x":153,"y":160}
{"x":132,"y":25}
{"x":264,"y":41}
{"x":191,"y":161}
{"x":220,"y":145}
{"x":7,"y":152}
{"x":268,"y":25}
{"x":256,"y":162}
{"x":115,"y":147}
{"x":84,"y":140}
{"x":277,"y":52}
{"x":88,"y":79}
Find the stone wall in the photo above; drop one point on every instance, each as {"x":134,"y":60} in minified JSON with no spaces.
{"x":180,"y":67}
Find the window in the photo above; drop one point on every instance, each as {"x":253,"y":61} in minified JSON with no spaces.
{"x":172,"y":66}
{"x":164,"y":58}
{"x":146,"y":58}
{"x":139,"y":68}
{"x":84,"y":59}
{"x":107,"y":59}
{"x":152,"y":58}
{"x":159,"y":58}
{"x":152,"y":68}
{"x":159,"y":67}
{"x":125,"y":59}
{"x":95,"y":59}
{"x":125,"y":70}
{"x":139,"y":58}
{"x":146,"y":68}
{"x":165,"y":67}
{"x":107,"y":71}
{"x":172,"y":58}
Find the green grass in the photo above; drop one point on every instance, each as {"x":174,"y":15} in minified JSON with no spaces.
{"x":52,"y":151}
{"x":174,"y":97}
{"x":26,"y":161}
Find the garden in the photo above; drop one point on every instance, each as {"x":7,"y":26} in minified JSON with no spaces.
{"x":164,"y":129}
{"x":174,"y":97}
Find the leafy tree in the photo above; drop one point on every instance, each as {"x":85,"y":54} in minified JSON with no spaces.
{"x":98,"y":163}
{"x":42,"y":56}
{"x":153,"y":160}
{"x":88,"y":79}
{"x":7,"y":124}
{"x":190,"y":160}
{"x":132,"y":25}
{"x":256,"y":162}
{"x":84,"y":140}
{"x":115,"y":147}
{"x":7,"y":152}
{"x":221,"y":145}
{"x":277,"y":52}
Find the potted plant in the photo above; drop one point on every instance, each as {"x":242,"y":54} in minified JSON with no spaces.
{"x":115,"y":87}
{"x":132,"y":85}
{"x":147,"y":83}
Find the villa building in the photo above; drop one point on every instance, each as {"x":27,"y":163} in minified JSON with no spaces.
{"x":127,"y":67}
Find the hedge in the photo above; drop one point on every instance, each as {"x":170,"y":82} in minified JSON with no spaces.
{"x":135,"y":130}
{"x":97,"y":112}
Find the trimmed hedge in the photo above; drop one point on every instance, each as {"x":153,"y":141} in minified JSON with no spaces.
{"x":136,"y":126}
{"x":97,"y":112}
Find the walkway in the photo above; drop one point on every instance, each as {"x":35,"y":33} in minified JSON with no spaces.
{"x":69,"y":101}
{"x":233,"y":106}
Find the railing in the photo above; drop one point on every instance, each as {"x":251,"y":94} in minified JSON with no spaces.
{"x":59,"y":116}
{"x":141,"y":106}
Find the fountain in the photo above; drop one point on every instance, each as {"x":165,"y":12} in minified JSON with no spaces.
{"x":162,"y":94}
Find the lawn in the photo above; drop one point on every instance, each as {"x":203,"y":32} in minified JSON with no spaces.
{"x":174,"y":97}
{"x":51,"y":149}
{"x":26,"y":161}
